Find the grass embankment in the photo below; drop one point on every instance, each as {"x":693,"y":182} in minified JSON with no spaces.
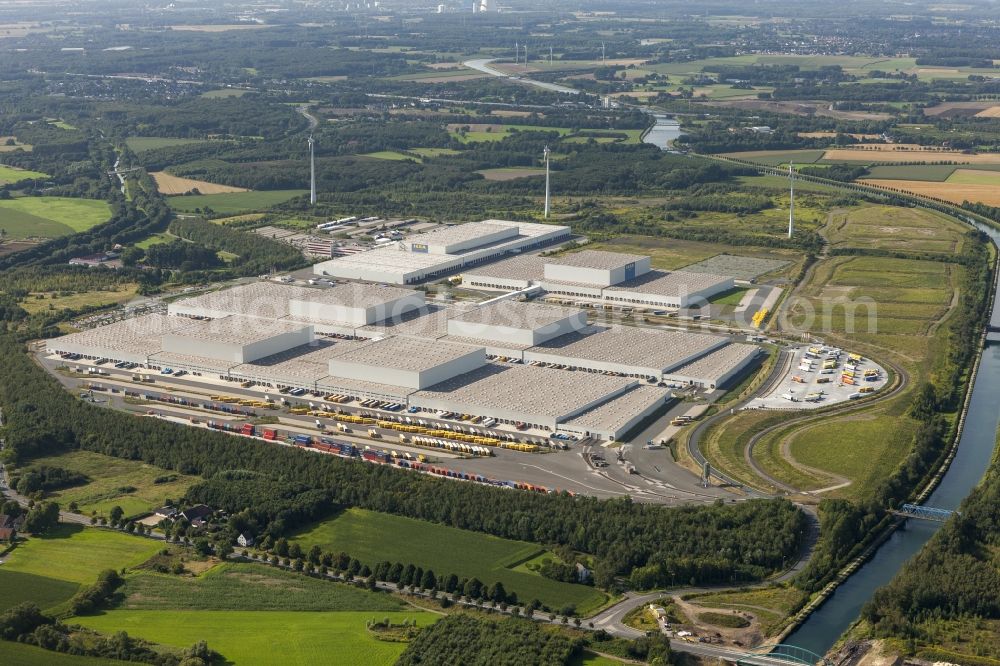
{"x":901,"y":305}
{"x":375,"y":537}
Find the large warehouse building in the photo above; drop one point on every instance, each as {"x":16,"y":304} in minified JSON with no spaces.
{"x":555,"y":370}
{"x":604,"y":277}
{"x":442,"y":251}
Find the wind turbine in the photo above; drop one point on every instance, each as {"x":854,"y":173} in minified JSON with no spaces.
{"x":791,"y":199}
{"x":546,"y":153}
{"x":312,"y":171}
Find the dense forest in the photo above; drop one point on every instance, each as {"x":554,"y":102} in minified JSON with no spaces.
{"x":465,"y":639}
{"x":955,"y":576}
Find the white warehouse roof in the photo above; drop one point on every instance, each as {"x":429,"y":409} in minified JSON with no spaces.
{"x":628,"y":346}
{"x":596,"y":259}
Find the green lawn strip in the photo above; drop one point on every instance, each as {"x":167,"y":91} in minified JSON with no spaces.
{"x":724,"y":443}
{"x":243,"y":586}
{"x":43,"y":591}
{"x":233,"y":202}
{"x":130,"y":484}
{"x":374,"y":537}
{"x":19,"y":654}
{"x":767,"y":454}
{"x":77,"y":554}
{"x":730,"y":297}
{"x":256,"y":637}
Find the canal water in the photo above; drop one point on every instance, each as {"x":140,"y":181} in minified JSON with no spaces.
{"x":663,"y":132}
{"x":823,"y":627}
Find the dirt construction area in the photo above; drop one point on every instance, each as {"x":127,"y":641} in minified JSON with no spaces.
{"x":818,"y":376}
{"x":170,"y":184}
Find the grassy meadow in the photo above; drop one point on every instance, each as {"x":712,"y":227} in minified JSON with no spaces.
{"x":9,"y":174}
{"x":233,"y":203}
{"x":76,"y":554}
{"x":374,"y":537}
{"x":134,"y":486}
{"x":240,"y":586}
{"x":338,"y":638}
{"x":50,"y":217}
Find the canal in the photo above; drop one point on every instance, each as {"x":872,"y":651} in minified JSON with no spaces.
{"x":663,"y":132}
{"x":823,"y":627}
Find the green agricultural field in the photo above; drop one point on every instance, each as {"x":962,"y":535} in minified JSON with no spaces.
{"x":14,"y":175}
{"x":497,"y":134}
{"x":137,"y":144}
{"x":374,"y":537}
{"x":963,"y":176}
{"x":255,"y":637}
{"x":389,"y":155}
{"x":781,"y":182}
{"x":77,"y":554}
{"x":50,"y":217}
{"x":243,"y":586}
{"x":19,"y":654}
{"x":778,"y":157}
{"x":233,"y":203}
{"x":130,"y":484}
{"x":224,"y":93}
{"x":929,"y":172}
{"x":42,"y":591}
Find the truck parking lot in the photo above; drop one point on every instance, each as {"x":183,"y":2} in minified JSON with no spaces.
{"x":818,"y":375}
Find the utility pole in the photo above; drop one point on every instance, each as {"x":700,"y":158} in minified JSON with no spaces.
{"x":603,"y":59}
{"x":546,"y":153}
{"x":550,"y":56}
{"x":791,"y":199}
{"x":312,"y":171}
{"x":517,"y":53}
